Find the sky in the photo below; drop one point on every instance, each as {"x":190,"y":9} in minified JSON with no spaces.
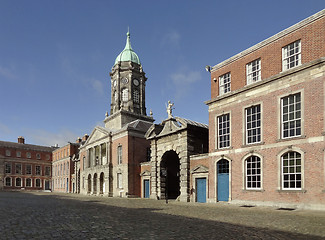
{"x":55,"y":56}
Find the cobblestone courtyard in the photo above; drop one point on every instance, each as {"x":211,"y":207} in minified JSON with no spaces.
{"x":69,"y":216}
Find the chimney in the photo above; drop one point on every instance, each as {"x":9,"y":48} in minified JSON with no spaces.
{"x":21,"y":140}
{"x":85,"y":137}
{"x":78,"y":140}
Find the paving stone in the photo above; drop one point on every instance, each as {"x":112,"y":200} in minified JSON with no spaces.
{"x":69,"y":216}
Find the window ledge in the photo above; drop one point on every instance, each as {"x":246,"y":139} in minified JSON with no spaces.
{"x":291,"y":138}
{"x":253,"y":144}
{"x":291,"y":191}
{"x":253,"y":190}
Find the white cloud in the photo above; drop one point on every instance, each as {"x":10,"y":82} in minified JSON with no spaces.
{"x":182,"y":82}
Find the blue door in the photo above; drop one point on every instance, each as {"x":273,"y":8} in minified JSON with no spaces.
{"x":223,"y":180}
{"x":146,"y":184}
{"x":201,"y":190}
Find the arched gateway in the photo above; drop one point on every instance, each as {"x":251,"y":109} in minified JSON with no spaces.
{"x":172,"y":143}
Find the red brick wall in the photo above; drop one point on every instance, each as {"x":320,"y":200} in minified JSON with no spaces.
{"x":312,"y":39}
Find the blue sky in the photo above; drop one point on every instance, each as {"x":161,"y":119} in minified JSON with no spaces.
{"x":55,"y":56}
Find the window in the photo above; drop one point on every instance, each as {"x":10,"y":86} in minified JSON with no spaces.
{"x":291,"y":55}
{"x":8,"y":153}
{"x":224,"y":83}
{"x":18,"y":182}
{"x":291,"y":115}
{"x":8,"y":181}
{"x":28,"y":155}
{"x":224,"y":131}
{"x":18,"y":168}
{"x":125,"y":95}
{"x":18,"y":154}
{"x":38,"y":182}
{"x":47,"y":157}
{"x":28,"y":182}
{"x":119,"y":180}
{"x":136,"y":96}
{"x":38,"y":170}
{"x":253,"y":172}
{"x":28,"y":169}
{"x":119,"y":154}
{"x":47,"y":171}
{"x":291,"y":171}
{"x":253,"y":124}
{"x":8,"y":167}
{"x":253,"y":71}
{"x":38,"y":156}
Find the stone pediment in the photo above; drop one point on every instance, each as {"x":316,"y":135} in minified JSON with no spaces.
{"x":145,"y":173}
{"x":200,"y":169}
{"x":97,"y":133}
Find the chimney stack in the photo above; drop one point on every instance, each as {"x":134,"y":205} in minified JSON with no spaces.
{"x":21,"y":140}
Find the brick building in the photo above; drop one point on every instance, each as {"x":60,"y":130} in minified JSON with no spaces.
{"x":25,"y":166}
{"x":63,"y":167}
{"x":266,"y":118}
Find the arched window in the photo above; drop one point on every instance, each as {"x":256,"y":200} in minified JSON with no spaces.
{"x":291,"y":171}
{"x":125,"y":95}
{"x":136,"y":96}
{"x":253,"y":172}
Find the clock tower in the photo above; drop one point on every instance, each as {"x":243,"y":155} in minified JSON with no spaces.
{"x":128,"y":82}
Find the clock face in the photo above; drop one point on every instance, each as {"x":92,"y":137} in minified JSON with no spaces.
{"x":114,"y":83}
{"x":136,"y":82}
{"x":124,"y":80}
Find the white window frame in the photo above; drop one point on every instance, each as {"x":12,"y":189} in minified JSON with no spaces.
{"x":40,"y":183}
{"x":8,"y":166}
{"x":291,"y":115}
{"x":119,"y":154}
{"x":253,"y":171}
{"x":125,"y":95}
{"x":31,"y":182}
{"x":291,"y":55}
{"x":16,"y":179}
{"x":18,"y":154}
{"x":8,"y":153}
{"x":18,"y":168}
{"x":10,"y":184}
{"x":292,"y":170}
{"x":223,"y":131}
{"x":36,"y":170}
{"x":252,"y":124}
{"x":225,"y":83}
{"x":28,"y":169}
{"x":253,"y":71}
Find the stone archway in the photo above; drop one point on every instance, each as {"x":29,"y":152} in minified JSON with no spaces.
{"x":170,"y":175}
{"x":95,"y":184}
{"x":101,"y":183}
{"x":89,"y":184}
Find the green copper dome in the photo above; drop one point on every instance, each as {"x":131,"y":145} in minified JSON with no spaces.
{"x":127,"y":54}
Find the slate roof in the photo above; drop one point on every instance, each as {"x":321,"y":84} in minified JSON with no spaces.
{"x":26,"y":146}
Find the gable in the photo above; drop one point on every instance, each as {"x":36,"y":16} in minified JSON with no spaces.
{"x":97,"y":134}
